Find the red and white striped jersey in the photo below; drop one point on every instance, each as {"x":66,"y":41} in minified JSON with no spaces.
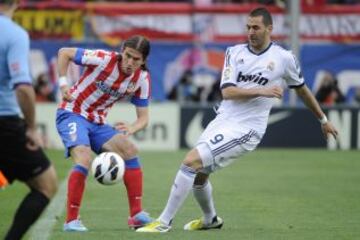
{"x":102,"y":84}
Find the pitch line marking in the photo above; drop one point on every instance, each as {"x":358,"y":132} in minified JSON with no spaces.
{"x":43,"y":227}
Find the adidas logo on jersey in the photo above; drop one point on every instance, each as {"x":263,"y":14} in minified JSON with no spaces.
{"x":256,"y":78}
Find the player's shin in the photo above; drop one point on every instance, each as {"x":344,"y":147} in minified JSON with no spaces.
{"x":203,"y":195}
{"x":133,"y":180}
{"x":182,"y":185}
{"x":29,"y":210}
{"x":76,"y":186}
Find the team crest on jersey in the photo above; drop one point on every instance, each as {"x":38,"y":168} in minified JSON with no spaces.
{"x":131,"y":87}
{"x":270,"y":66}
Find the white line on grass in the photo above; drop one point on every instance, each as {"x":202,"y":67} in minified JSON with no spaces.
{"x":43,"y":227}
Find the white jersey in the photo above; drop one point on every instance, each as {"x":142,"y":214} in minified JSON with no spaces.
{"x":245,"y":69}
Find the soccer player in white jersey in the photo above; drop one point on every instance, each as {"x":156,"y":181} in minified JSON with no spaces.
{"x":252,"y":77}
{"x":107,"y":78}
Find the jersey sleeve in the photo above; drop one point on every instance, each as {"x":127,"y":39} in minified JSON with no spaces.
{"x":18,"y":60}
{"x":141,"y":97}
{"x":89,"y":57}
{"x":293,"y":75}
{"x":228,"y":77}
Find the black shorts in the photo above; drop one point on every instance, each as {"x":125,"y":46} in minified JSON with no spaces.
{"x":17,"y":161}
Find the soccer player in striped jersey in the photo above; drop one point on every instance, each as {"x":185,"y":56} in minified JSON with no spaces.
{"x":107,"y":78}
{"x":252,"y":77}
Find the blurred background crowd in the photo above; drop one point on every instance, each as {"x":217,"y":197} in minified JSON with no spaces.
{"x":189,"y":39}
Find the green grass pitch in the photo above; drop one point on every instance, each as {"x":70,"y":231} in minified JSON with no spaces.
{"x":269,"y":194}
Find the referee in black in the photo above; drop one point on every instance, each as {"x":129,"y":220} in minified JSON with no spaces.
{"x":21,"y":156}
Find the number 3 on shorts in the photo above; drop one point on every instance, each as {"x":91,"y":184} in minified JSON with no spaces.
{"x":72,"y":127}
{"x":218,"y":138}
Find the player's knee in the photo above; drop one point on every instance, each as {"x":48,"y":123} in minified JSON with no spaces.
{"x":82,"y":156}
{"x":130,"y":151}
{"x":46,"y":182}
{"x":50,"y":189}
{"x":53,"y":183}
{"x":192,"y":162}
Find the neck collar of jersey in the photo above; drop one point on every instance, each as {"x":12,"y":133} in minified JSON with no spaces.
{"x":259,"y":53}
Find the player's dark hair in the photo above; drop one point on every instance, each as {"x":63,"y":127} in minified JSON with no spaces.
{"x":261,"y":11}
{"x":140,"y":44}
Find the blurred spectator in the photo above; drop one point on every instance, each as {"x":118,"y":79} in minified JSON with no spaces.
{"x":43,"y":89}
{"x":329,"y":92}
{"x":356,"y":99}
{"x":215,"y":94}
{"x":185,"y":90}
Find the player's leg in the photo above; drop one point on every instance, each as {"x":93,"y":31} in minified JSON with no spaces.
{"x":133,"y":177}
{"x":202,"y":190}
{"x":218,"y":147}
{"x":82,"y":156}
{"x":183,"y":183}
{"x":42,"y":189}
{"x":32,"y":167}
{"x":73,"y":130}
{"x":46,"y":182}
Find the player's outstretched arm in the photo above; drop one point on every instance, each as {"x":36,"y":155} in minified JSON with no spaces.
{"x":309,"y":100}
{"x":236,"y":93}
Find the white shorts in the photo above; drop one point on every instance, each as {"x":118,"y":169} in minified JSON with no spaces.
{"x":222,"y":142}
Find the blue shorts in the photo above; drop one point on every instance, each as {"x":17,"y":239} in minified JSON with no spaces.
{"x":76,"y":130}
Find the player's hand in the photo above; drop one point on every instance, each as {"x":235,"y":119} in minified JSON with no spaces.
{"x":65,"y":93}
{"x":329,"y":129}
{"x":126,"y":128}
{"x":272,"y":92}
{"x":34,"y":141}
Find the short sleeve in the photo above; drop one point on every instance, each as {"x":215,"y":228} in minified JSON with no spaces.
{"x":228,"y":77}
{"x":18,"y":60}
{"x":89,"y":57}
{"x":141,"y":97}
{"x":293,"y":75}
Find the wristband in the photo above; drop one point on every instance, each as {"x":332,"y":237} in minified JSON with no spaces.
{"x":323,"y":120}
{"x":62,"y":81}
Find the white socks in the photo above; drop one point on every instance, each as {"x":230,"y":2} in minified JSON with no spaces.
{"x":203,"y":195}
{"x":183,"y":183}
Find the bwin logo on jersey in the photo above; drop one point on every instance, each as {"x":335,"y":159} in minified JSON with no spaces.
{"x":256,"y":78}
{"x":105,"y":89}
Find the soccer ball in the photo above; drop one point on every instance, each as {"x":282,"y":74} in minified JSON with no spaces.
{"x":108,"y":168}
